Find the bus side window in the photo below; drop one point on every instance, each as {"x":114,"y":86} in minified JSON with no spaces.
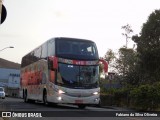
{"x":51,"y":48}
{"x":51,"y":70}
{"x":50,"y":64}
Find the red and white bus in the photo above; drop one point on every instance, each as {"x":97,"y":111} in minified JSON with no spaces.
{"x":62,"y":70}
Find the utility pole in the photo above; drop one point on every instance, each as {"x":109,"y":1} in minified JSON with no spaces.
{"x":127,"y":32}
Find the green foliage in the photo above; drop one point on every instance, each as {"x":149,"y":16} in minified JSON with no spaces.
{"x":126,"y":65}
{"x":109,"y":56}
{"x":107,"y":91}
{"x":140,"y":70}
{"x":146,"y":97}
{"x":121,"y":97}
{"x":148,"y":48}
{"x":126,"y":60}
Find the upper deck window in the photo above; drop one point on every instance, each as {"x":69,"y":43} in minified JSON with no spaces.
{"x":76,"y":49}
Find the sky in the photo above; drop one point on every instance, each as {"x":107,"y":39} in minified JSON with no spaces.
{"x":30,"y":23}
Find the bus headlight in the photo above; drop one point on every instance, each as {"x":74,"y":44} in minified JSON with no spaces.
{"x":95,"y":93}
{"x":61,"y":92}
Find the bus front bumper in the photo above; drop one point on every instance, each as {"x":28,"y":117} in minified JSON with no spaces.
{"x":93,"y":100}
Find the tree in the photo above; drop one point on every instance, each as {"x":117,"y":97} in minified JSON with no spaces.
{"x":148,"y":48}
{"x":128,"y":31}
{"x":109,"y":56}
{"x":126,"y":61}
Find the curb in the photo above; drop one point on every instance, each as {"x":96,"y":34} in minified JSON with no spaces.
{"x":117,"y":108}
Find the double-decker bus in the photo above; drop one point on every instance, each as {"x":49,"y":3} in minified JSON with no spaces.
{"x":62,"y":70}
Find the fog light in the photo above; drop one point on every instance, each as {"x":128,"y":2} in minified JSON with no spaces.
{"x":59,"y":98}
{"x":96,"y":99}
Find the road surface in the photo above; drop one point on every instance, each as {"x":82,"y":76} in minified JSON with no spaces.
{"x":17,"y":107}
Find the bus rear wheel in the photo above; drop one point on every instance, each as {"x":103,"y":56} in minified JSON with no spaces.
{"x":81,"y":106}
{"x":45,"y":97}
{"x":25,"y":97}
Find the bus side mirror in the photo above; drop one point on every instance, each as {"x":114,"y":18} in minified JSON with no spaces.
{"x":52,"y":62}
{"x":105,"y":63}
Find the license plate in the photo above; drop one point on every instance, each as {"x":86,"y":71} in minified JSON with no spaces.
{"x":78,"y":101}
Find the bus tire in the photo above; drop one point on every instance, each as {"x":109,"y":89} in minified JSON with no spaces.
{"x":25,"y":96}
{"x":81,"y":106}
{"x":44,"y":97}
{"x":99,"y":104}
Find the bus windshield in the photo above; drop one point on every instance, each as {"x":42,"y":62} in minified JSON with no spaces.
{"x":78,"y":76}
{"x":77,"y":49}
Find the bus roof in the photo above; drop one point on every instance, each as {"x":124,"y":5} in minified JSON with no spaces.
{"x":60,"y":38}
{"x":72,"y":39}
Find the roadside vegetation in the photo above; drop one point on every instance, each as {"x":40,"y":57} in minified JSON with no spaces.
{"x":137,"y":69}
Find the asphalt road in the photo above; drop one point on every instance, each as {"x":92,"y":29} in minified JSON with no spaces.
{"x":66,"y":112}
{"x":17,"y":104}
